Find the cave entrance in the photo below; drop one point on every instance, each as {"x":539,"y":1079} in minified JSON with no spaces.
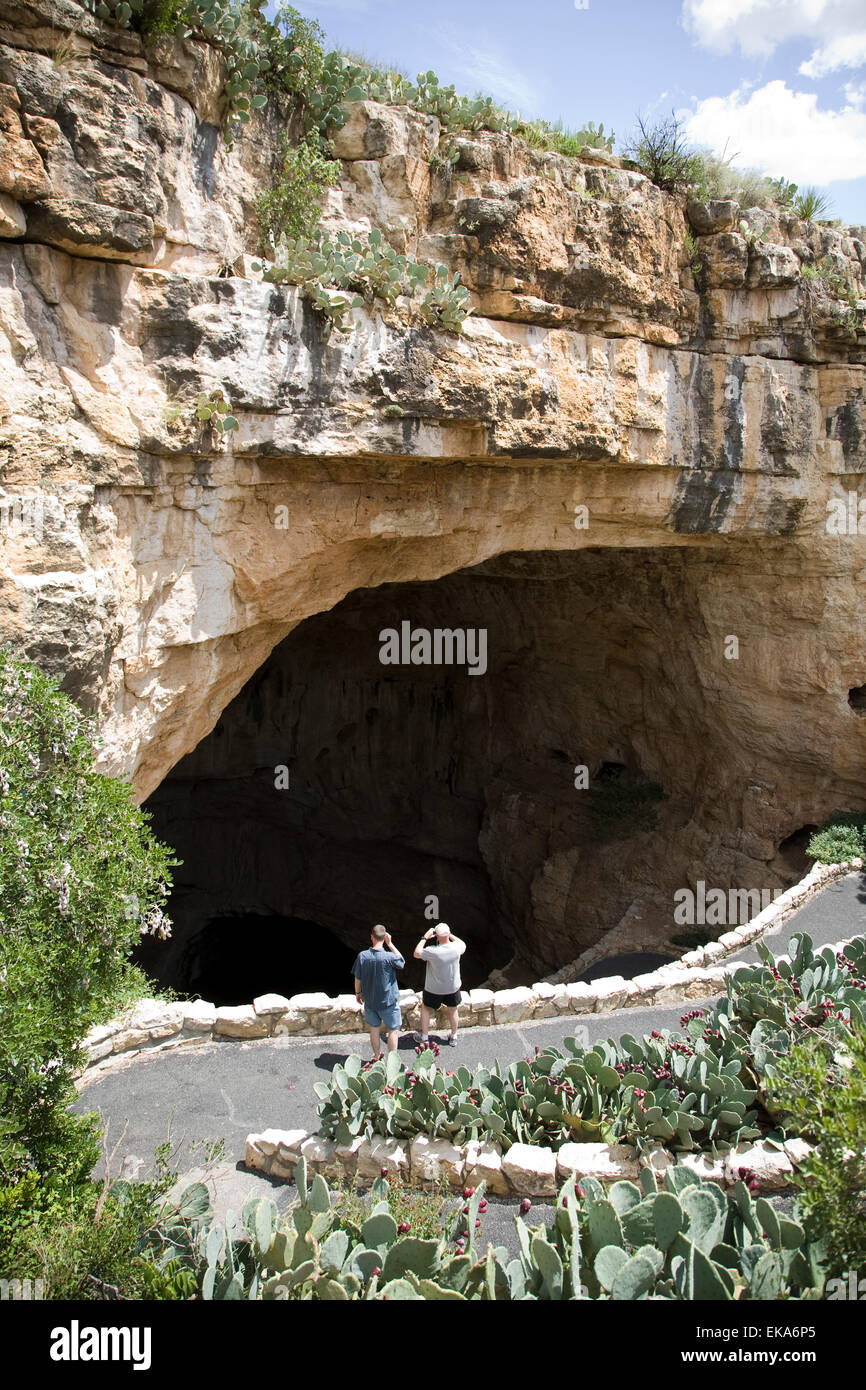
{"x":521,"y":749}
{"x":792,"y":851}
{"x":282,"y":955}
{"x":857,"y":699}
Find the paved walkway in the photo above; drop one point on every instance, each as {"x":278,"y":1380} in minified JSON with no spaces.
{"x":224,"y":1091}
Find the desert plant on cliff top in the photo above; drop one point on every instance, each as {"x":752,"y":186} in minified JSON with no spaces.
{"x":661,"y":151}
{"x":81,"y":879}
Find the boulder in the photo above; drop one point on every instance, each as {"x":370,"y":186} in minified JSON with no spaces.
{"x":433,"y":1159}
{"x":725,"y":258}
{"x":513,"y":1005}
{"x":375,"y":1154}
{"x":483,"y":1163}
{"x":22,"y":173}
{"x":772,"y":1167}
{"x":199,"y":1016}
{"x":704,"y":1166}
{"x":240,"y":1022}
{"x":13,"y":223}
{"x":606,"y":1162}
{"x":271,"y":1006}
{"x":708,"y":218}
{"x":530,"y":1171}
{"x":582,"y":997}
{"x":90,"y":229}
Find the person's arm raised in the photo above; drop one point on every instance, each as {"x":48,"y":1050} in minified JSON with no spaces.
{"x":422,"y":943}
{"x":389,"y":946}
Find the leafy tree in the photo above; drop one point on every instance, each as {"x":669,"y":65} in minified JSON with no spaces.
{"x":82,"y":878}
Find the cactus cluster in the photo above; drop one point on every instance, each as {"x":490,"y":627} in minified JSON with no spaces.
{"x":351,"y":270}
{"x":214,"y":410}
{"x":261,"y":55}
{"x":284,"y":54}
{"x":683,"y":1240}
{"x":427,"y":94}
{"x":703,"y":1088}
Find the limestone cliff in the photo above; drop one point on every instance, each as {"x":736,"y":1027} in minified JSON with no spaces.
{"x":702,"y":406}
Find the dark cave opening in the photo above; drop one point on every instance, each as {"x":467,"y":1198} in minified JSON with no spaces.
{"x":341,"y":789}
{"x":857,"y":699}
{"x":282,"y":955}
{"x":792,"y":850}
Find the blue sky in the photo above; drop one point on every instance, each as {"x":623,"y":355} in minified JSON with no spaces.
{"x":781,"y":83}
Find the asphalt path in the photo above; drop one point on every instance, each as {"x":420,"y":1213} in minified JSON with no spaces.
{"x":225,"y":1091}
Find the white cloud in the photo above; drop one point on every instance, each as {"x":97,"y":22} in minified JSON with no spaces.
{"x":783,"y":133}
{"x":848,"y":51}
{"x":758,"y":27}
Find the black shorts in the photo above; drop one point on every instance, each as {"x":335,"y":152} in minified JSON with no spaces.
{"x":435,"y":1001}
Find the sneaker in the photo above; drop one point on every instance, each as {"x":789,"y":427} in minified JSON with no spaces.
{"x":423,"y":1039}
{"x":451,"y":1040}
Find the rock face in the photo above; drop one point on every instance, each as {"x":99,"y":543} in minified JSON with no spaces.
{"x":652,"y":437}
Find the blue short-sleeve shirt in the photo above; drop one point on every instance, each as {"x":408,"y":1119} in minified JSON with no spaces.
{"x":376,"y":971}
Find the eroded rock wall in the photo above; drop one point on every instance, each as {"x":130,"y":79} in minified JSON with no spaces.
{"x":704,"y":405}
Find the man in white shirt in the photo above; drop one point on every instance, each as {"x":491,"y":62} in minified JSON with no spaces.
{"x":441,"y":951}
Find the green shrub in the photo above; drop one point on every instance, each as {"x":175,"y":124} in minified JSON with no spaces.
{"x":544,"y":135}
{"x":162,"y":17}
{"x":81,"y":880}
{"x":841,"y":838}
{"x":428,"y":1211}
{"x":623,"y":805}
{"x":717,"y":179}
{"x":292,"y":206}
{"x":826,"y":1102}
{"x":107,"y":1239}
{"x":82,"y":1243}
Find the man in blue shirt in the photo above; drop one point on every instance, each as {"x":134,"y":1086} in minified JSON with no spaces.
{"x":377,"y":989}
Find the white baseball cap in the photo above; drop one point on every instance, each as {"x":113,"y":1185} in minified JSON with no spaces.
{"x":443,"y":929}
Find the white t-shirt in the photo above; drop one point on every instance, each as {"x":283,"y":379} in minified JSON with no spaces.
{"x":443,"y":967}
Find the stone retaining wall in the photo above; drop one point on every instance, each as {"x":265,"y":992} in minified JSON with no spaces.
{"x":153,"y":1024}
{"x":523,"y":1171}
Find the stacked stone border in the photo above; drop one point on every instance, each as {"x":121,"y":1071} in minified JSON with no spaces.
{"x":525,"y":1170}
{"x":155,"y":1025}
